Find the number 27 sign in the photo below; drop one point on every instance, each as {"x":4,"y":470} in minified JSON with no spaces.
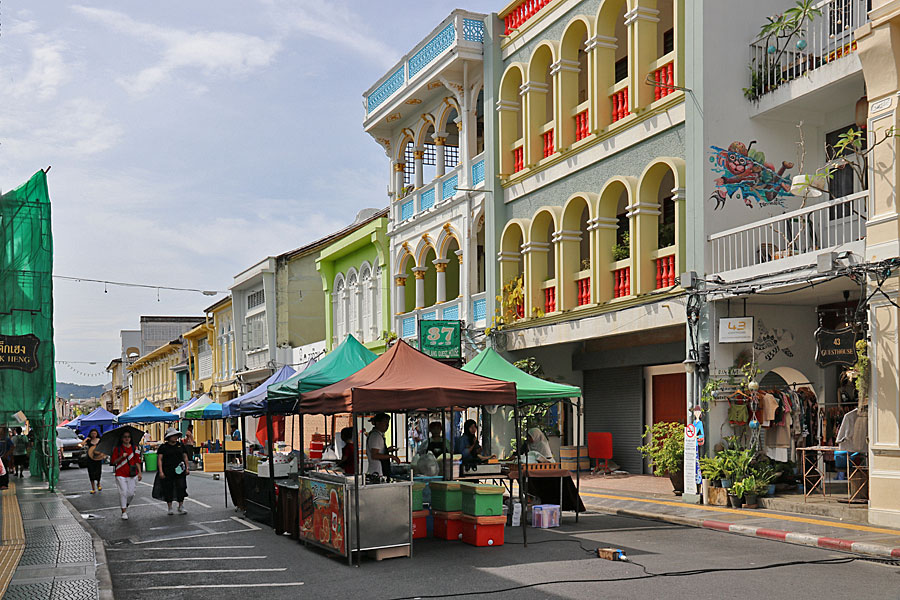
{"x":440,"y":339}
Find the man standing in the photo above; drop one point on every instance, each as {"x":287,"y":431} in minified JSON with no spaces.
{"x":21,"y":446}
{"x":377,"y":451}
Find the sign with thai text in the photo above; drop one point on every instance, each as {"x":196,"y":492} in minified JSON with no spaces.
{"x":441,"y":339}
{"x":690,"y":459}
{"x":19,"y":352}
{"x":735,"y":330}
{"x":836,"y":347}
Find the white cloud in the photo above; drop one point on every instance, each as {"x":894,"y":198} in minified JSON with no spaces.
{"x":46,"y":72}
{"x":215,"y":54}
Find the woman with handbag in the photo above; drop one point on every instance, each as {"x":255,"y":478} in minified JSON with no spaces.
{"x":126,"y":461}
{"x":172,"y":471}
{"x":95,"y":460}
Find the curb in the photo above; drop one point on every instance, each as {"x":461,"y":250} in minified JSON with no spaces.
{"x":802,"y":539}
{"x":104,"y":578}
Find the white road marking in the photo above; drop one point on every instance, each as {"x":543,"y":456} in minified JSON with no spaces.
{"x":249,"y":526}
{"x":198,"y":502}
{"x":191,"y":558}
{"x":145,"y":483}
{"x":212,"y":586}
{"x":191,"y":523}
{"x":204,"y":571}
{"x":120,"y":508}
{"x":184,"y":548}
{"x":246,"y":523}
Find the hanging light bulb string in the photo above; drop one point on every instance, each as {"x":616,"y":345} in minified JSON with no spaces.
{"x":148,"y":286}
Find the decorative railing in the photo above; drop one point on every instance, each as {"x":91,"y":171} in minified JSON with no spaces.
{"x":408,"y":326}
{"x":822,"y":40}
{"x":550,"y":297}
{"x":478,"y":172}
{"x":426,"y":200}
{"x":407,"y":209}
{"x":809,"y":230}
{"x":473,"y":30}
{"x":450,"y":312}
{"x":479,"y":308}
{"x":622,"y":282}
{"x":583,"y":286}
{"x":520,"y":15}
{"x":664,"y":78}
{"x":448,"y":187}
{"x":435,"y":46}
{"x":518,"y":158}
{"x":547,"y":138}
{"x":665,"y":270}
{"x":429,"y":315}
{"x":619,"y":101}
{"x":386,"y":89}
{"x":582,"y":125}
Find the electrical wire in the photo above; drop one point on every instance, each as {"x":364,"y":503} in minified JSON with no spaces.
{"x":651,"y":575}
{"x":139,"y":285}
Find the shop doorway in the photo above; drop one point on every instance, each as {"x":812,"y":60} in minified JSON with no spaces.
{"x":669,"y":398}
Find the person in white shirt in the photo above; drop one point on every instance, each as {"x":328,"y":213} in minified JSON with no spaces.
{"x":377,"y":450}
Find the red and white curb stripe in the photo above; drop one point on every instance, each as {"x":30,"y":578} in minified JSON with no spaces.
{"x":805,"y":539}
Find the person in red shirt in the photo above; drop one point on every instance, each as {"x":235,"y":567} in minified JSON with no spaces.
{"x":348,"y":455}
{"x":126,"y":460}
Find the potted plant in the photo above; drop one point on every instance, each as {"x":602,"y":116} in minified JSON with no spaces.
{"x":749,"y":490}
{"x":712,"y":469}
{"x":665,"y":449}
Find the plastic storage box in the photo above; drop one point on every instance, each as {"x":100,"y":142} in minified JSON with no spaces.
{"x":418,"y":489}
{"x":483,"y":531}
{"x":448,"y":525}
{"x":420,"y":524}
{"x":446,"y":496}
{"x":545,"y":516}
{"x":481,"y":500}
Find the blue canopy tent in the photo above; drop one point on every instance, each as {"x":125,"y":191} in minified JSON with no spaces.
{"x":179,"y":412}
{"x":74,"y":423}
{"x":100,"y":419}
{"x":255,"y":402}
{"x":145,"y":412}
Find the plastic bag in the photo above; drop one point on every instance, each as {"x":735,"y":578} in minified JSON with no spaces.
{"x":330,"y":454}
{"x":428,"y":465}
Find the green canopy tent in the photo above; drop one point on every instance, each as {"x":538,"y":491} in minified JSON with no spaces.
{"x":340,"y":363}
{"x":532,"y":390}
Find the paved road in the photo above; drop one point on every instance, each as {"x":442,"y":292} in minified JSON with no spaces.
{"x":214,"y":553}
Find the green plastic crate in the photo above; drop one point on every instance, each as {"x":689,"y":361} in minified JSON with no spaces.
{"x":480,"y":500}
{"x":446,"y":496}
{"x":417,"y":489}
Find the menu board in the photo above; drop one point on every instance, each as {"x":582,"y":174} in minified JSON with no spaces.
{"x":322,"y":514}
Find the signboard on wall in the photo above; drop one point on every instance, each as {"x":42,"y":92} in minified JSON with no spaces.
{"x":19,"y":352}
{"x":735,"y":330}
{"x":690,"y":459}
{"x":835,"y":347}
{"x":441,"y":339}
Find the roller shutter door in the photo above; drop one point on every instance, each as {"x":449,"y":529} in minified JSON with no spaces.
{"x":614,"y":402}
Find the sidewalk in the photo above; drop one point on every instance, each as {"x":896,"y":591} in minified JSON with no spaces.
{"x":618,"y":497}
{"x":46,"y":552}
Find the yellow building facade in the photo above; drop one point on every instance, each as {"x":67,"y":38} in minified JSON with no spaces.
{"x":153,"y":378}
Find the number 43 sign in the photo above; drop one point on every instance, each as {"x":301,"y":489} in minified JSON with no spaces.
{"x":440,"y":339}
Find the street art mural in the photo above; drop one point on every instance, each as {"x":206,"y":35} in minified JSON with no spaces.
{"x":770,"y":342}
{"x":744,"y":173}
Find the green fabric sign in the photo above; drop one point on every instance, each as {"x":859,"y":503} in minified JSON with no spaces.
{"x":440,"y":339}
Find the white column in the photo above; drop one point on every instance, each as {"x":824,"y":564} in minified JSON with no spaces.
{"x":400,"y":294}
{"x":419,"y":273}
{"x":399,"y":168}
{"x":440,"y":266}
{"x":418,"y":155}
{"x":439,"y":139}
{"x":463,"y":278}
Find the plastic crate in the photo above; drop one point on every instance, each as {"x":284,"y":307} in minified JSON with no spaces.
{"x":481,"y":500}
{"x":420,"y":524}
{"x":446,"y":496}
{"x":418,"y":489}
{"x":545,"y":516}
{"x":483,"y":531}
{"x":448,"y":525}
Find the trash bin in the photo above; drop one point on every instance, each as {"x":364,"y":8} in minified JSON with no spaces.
{"x":150,"y":461}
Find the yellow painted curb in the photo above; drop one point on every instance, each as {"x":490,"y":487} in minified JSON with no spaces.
{"x":744,"y":513}
{"x":12,"y":537}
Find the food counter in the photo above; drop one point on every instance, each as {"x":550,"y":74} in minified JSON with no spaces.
{"x":328,"y":513}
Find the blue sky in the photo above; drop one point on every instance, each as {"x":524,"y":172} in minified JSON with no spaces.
{"x":190,"y":139}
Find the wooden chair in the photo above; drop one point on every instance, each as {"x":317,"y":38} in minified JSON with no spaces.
{"x":600,"y":447}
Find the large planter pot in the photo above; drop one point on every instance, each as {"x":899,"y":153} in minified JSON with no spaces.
{"x":771,"y":491}
{"x":750,"y":501}
{"x":677,"y":480}
{"x":734,"y":501}
{"x":726,"y":483}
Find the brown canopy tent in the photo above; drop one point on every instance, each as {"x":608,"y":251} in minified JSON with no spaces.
{"x":404,"y":379}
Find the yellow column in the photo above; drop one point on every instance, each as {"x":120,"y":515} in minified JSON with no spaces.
{"x":641,"y":22}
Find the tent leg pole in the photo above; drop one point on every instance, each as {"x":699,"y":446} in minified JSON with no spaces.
{"x":577,"y":458}
{"x":224,"y":463}
{"x":271,"y":449}
{"x":519,"y":471}
{"x":356,"y":423}
{"x":453,"y":446}
{"x":300,"y":467}
{"x":243,"y":443}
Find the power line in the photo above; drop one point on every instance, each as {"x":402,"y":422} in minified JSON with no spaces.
{"x":139,"y":285}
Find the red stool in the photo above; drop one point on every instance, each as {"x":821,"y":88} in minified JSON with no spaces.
{"x":600,"y":447}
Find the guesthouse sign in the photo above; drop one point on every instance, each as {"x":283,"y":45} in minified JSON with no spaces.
{"x":441,"y":339}
{"x":835,"y":347}
{"x":19,"y":352}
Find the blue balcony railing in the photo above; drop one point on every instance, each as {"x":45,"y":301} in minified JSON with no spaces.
{"x":386,"y":89}
{"x":448,"y":188}
{"x":432,"y":49}
{"x":407,"y":210}
{"x":478,"y":172}
{"x":427,"y":200}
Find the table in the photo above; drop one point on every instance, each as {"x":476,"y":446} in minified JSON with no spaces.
{"x":258,"y":498}
{"x":810,"y":471}
{"x":538,"y":483}
{"x":288,"y":511}
{"x":234,"y":479}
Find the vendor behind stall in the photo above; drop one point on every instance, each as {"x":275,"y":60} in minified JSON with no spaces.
{"x":538,"y":443}
{"x":437,"y":443}
{"x":377,"y":450}
{"x":467,"y":445}
{"x":348,"y":452}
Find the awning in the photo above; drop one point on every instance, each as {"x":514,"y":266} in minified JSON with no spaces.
{"x":255,"y":402}
{"x":343,"y":361}
{"x":528,"y":387}
{"x":180,"y":410}
{"x":146,"y":412}
{"x":74,"y":423}
{"x":206,"y":409}
{"x":405,"y":379}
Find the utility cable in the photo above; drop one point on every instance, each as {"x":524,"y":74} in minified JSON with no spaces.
{"x":140,"y":285}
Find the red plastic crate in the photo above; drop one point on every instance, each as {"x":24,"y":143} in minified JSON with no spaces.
{"x":483,"y":531}
{"x":448,"y":525}
{"x":420,"y":524}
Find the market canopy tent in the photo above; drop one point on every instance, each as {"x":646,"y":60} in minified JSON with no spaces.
{"x":207,"y":409}
{"x":256,"y":401}
{"x":100,"y":419}
{"x":343,"y":361}
{"x":404,"y":379}
{"x":146,"y":412}
{"x":528,"y":387}
{"x":28,"y":379}
{"x":74,"y":423}
{"x":178,"y":412}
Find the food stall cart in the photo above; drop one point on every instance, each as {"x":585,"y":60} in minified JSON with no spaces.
{"x":400,"y":380}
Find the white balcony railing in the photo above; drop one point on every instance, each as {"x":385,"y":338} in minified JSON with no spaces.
{"x":823,"y":39}
{"x":428,"y":196}
{"x":809,"y":230}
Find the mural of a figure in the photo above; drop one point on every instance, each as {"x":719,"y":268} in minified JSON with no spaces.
{"x":743,"y":171}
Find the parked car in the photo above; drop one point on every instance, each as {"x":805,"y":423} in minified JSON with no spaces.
{"x":70,"y":449}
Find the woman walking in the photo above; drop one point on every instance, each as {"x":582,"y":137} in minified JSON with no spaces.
{"x":126,"y":461}
{"x":95,"y":460}
{"x":173,"y":470}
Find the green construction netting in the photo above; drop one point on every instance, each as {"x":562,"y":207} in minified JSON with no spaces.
{"x":26,"y":307}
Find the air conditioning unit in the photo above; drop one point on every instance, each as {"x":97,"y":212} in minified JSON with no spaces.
{"x":196,"y":386}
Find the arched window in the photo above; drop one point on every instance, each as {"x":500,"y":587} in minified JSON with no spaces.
{"x":573,"y":69}
{"x":451,"y":144}
{"x":479,"y":123}
{"x":453,"y":270}
{"x":511,"y":269}
{"x":365,"y":278}
{"x":337,"y":304}
{"x":612,"y":63}
{"x":353,"y":304}
{"x":511,"y":118}
{"x":540,"y":105}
